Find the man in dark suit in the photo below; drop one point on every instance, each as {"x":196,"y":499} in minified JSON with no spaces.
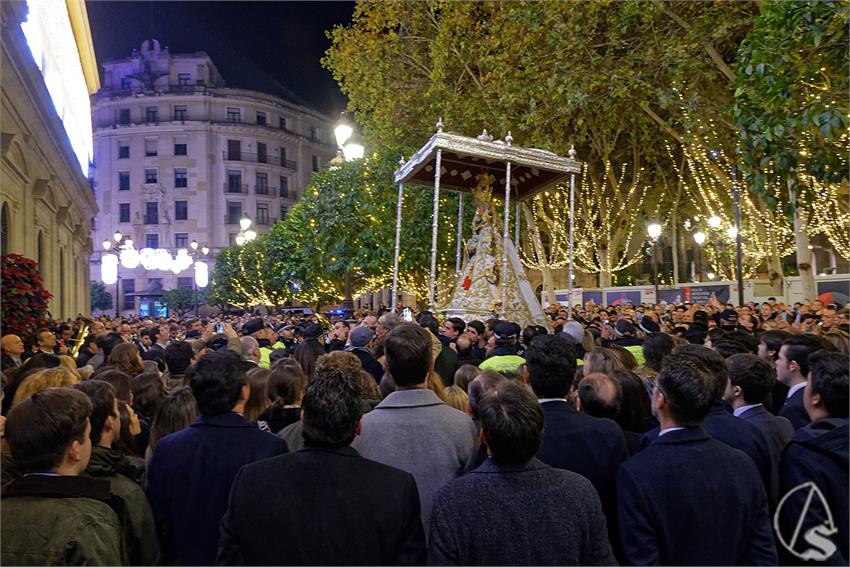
{"x":721,"y":424}
{"x":792,"y":367}
{"x":325,"y":504}
{"x":751,"y":380}
{"x":688,"y":499}
{"x":12,"y":347}
{"x":191,"y":471}
{"x":590,"y":446}
{"x":548,"y":516}
{"x":817,"y":459}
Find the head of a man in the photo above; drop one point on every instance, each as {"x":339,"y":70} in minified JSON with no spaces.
{"x":684,"y":392}
{"x":751,"y":379}
{"x":331,"y":406}
{"x":792,"y":364}
{"x":826,"y":393}
{"x":340,"y":331}
{"x":250,"y":348}
{"x":49,"y":432}
{"x":408,"y":355}
{"x":769,"y":344}
{"x":220,"y":383}
{"x":599,"y":395}
{"x":369,"y":321}
{"x":511,"y":423}
{"x":12,"y":345}
{"x":480,"y":385}
{"x":105,"y":417}
{"x":452,"y":328}
{"x":550,"y":366}
{"x":464,"y":344}
{"x":178,"y":357}
{"x":45,"y":339}
{"x":386,"y":323}
{"x":710,"y":360}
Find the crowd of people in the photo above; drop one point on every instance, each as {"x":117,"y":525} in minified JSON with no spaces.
{"x":630,"y":434}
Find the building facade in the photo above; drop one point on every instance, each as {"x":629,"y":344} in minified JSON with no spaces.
{"x":179,"y":157}
{"x":46,"y":203}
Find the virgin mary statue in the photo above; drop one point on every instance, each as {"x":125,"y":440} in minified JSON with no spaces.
{"x":477,"y":289}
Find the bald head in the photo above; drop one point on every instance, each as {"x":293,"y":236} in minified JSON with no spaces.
{"x":12,"y":345}
{"x":599,"y":395}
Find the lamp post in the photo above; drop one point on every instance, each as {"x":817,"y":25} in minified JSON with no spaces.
{"x":699,"y":239}
{"x":654,"y":231}
{"x":246,"y":233}
{"x":350,"y":148}
{"x":196,"y":281}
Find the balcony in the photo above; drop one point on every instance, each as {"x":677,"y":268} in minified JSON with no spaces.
{"x":265,"y":220}
{"x":151,"y":219}
{"x":289,"y":194}
{"x":288,"y":163}
{"x":236,"y":188}
{"x":265,"y":190}
{"x":232,"y":219}
{"x":246,"y":156}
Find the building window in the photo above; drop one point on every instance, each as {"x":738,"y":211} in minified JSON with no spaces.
{"x":151,"y":241}
{"x":261,"y":118}
{"x":234,"y":114}
{"x":123,"y":180}
{"x":234,"y":150}
{"x":262,"y":184}
{"x":124,"y":212}
{"x":180,"y":149}
{"x":262,"y":153}
{"x":234,"y":212}
{"x":150,"y":148}
{"x":152,"y":214}
{"x":231,"y":239}
{"x":123,"y":151}
{"x":314,"y":133}
{"x":284,"y":210}
{"x":150,"y":115}
{"x":234,"y":181}
{"x":181,"y":239}
{"x":181,"y":113}
{"x":262,"y":213}
{"x":150,"y":176}
{"x":186,"y":283}
{"x":282,"y":123}
{"x":284,"y":186}
{"x":154,"y":283}
{"x":315,"y":163}
{"x":126,"y":83}
{"x":184,"y":79}
{"x":283,"y":157}
{"x":180,"y":178}
{"x":181,"y":210}
{"x":124,"y":116}
{"x":128,"y":301}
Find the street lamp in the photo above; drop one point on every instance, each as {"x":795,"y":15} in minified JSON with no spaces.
{"x":247,"y":234}
{"x":202,"y":276}
{"x":714,"y":221}
{"x":699,"y":238}
{"x":654,"y":231}
{"x":343,"y":130}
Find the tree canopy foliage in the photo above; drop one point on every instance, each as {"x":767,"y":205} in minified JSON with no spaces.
{"x":100,"y":298}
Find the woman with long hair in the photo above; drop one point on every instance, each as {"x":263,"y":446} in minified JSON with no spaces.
{"x":59,"y":377}
{"x":177,"y":411}
{"x":258,"y":399}
{"x":285,"y":389}
{"x":126,"y":358}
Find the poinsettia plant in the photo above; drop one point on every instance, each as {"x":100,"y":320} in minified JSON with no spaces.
{"x":24,"y":299}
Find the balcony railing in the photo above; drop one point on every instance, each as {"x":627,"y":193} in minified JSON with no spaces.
{"x":232,"y":219}
{"x":265,"y":190}
{"x":236,"y":188}
{"x":293,"y":165}
{"x":151,"y":219}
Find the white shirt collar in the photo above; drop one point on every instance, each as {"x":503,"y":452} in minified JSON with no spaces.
{"x":793,"y":389}
{"x":543,"y":400}
{"x":742,"y":409}
{"x":668,"y":430}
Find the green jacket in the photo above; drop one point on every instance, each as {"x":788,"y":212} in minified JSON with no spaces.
{"x":503,"y":363}
{"x":60,"y":520}
{"x":265,"y":352}
{"x":140,"y":533}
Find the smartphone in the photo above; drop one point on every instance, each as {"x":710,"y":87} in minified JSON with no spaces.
{"x":218,"y":328}
{"x":407,"y":315}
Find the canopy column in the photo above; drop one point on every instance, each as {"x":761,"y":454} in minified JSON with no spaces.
{"x":397,"y":242}
{"x":432,"y":280}
{"x":505,"y":238}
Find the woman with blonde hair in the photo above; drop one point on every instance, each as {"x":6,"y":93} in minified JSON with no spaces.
{"x":59,"y":377}
{"x":67,"y":362}
{"x":602,"y":360}
{"x":126,"y":358}
{"x":456,"y":397}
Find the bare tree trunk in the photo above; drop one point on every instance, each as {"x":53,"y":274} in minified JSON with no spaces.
{"x":804,"y":257}
{"x":605,"y":264}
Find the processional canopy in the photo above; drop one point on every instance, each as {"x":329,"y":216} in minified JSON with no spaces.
{"x":464,"y":158}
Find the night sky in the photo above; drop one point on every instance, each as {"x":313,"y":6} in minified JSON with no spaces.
{"x":269,"y":46}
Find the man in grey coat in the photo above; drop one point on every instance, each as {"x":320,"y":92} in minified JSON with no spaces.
{"x":412,"y":429}
{"x":514,"y":509}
